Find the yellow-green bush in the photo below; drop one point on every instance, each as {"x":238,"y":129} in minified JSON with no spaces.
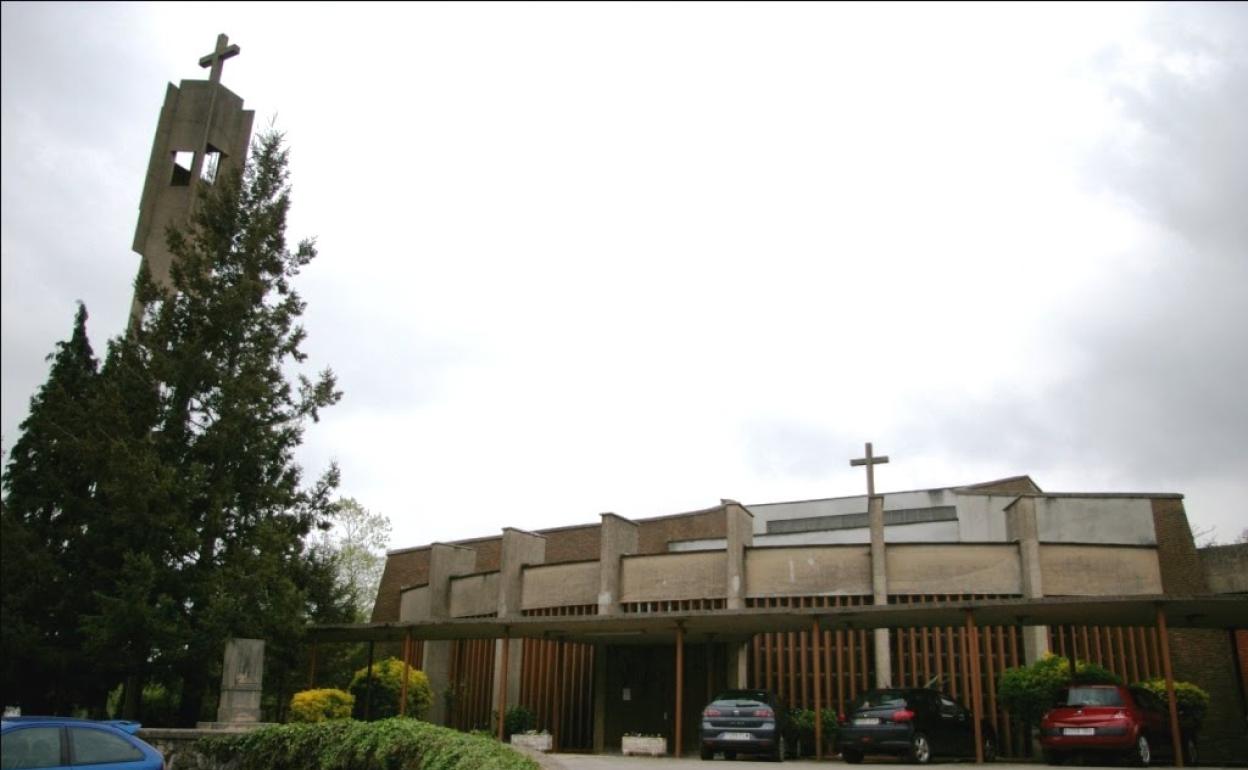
{"x":320,"y":705}
{"x":388,"y":688}
{"x":1191,"y":700}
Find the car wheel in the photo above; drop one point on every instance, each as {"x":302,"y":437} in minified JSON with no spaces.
{"x":780,"y":749}
{"x":1190,"y":757}
{"x":920,"y":749}
{"x":1053,"y":758}
{"x":1142,"y":754}
{"x":707,"y":753}
{"x":851,"y":756}
{"x":990,"y":748}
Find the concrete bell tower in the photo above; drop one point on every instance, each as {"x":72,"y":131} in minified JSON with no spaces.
{"x":202,"y":135}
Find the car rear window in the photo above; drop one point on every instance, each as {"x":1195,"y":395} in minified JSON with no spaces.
{"x":1090,"y":696}
{"x":880,"y":699}
{"x":753,"y":696}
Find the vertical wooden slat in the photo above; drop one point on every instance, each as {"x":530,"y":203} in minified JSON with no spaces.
{"x":502,"y":686}
{"x":977,"y":710}
{"x":942,"y":684}
{"x":1132,"y":662}
{"x":1001,"y":632}
{"x":990,"y":665}
{"x":953,"y":654}
{"x":814,"y":636}
{"x":792,"y":668}
{"x":680,"y":688}
{"x":840,"y":667}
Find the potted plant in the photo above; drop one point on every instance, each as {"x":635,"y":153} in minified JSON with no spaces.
{"x":532,"y":739}
{"x":640,"y":744}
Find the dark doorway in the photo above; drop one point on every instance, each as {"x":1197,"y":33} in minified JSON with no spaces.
{"x":641,"y":690}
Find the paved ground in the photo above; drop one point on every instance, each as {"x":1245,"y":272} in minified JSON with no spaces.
{"x":587,"y":762}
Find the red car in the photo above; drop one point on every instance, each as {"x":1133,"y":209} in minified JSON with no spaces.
{"x":1109,"y":719}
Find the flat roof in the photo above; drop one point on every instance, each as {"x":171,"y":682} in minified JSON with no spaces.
{"x":729,"y":625}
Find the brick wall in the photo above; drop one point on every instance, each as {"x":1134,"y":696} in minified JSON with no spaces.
{"x":1204,"y":657}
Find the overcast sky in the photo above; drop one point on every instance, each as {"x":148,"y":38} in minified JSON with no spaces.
{"x":637,"y":258}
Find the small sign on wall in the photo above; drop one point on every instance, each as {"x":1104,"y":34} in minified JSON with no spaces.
{"x":628,"y":694}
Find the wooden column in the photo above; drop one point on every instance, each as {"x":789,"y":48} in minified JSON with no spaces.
{"x":407,"y":668}
{"x":977,"y":709}
{"x":814,"y":635}
{"x":680,"y":688}
{"x":1175,"y":735}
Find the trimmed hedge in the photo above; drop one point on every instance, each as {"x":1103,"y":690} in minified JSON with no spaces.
{"x":320,"y":705}
{"x":1192,"y":701}
{"x":390,"y":744}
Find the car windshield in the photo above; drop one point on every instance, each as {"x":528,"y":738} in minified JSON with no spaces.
{"x":742,"y":695}
{"x":880,"y":699}
{"x":1089,"y":696}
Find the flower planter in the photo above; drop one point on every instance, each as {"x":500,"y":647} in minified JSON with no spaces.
{"x":647,"y":746}
{"x":540,"y":742}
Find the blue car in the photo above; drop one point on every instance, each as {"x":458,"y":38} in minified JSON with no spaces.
{"x":61,"y":742}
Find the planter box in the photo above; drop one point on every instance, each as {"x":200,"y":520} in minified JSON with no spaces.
{"x":540,"y":742}
{"x":650,"y":747}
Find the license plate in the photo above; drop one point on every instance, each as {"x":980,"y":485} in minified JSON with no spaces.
{"x":1078,"y":731}
{"x":866,"y":721}
{"x":735,"y":736}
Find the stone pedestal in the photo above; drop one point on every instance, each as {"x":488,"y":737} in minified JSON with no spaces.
{"x":242,"y":678}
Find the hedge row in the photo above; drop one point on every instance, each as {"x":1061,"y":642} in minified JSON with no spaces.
{"x":390,"y":744}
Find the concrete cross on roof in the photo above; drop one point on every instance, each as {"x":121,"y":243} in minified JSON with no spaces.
{"x":217,"y":58}
{"x":870,"y":461}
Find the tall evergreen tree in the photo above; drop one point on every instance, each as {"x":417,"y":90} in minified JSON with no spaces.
{"x":191,"y":514}
{"x":49,"y":501}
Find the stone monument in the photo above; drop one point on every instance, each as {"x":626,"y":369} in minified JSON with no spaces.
{"x":242,"y":678}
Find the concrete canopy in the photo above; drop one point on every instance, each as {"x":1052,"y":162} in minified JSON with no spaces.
{"x":726,"y":625}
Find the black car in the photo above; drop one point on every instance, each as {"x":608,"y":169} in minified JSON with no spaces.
{"x":744,"y":722}
{"x":914,"y":723}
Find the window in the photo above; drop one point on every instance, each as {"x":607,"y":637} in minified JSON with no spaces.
{"x":212,"y":164}
{"x":183,"y":161}
{"x":93,"y":747}
{"x":31,"y":747}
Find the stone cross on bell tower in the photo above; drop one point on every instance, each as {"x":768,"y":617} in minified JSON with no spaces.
{"x":203,"y":134}
{"x":216,"y":59}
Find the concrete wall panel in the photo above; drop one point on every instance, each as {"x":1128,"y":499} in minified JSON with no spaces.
{"x":559,"y":585}
{"x":474,"y":595}
{"x":1092,"y":570}
{"x":822,"y":570}
{"x":1118,"y":520}
{"x":953,"y":569}
{"x":674,"y":576}
{"x":414,"y":604}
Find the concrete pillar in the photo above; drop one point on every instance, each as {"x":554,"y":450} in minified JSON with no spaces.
{"x":738,"y":665}
{"x":617,"y":537}
{"x":739,"y":530}
{"x":1020,"y":526}
{"x":879,"y":590}
{"x":519,"y":549}
{"x":445,"y":562}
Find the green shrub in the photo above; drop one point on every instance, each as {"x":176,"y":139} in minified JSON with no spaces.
{"x":320,"y":705}
{"x":1029,"y":691}
{"x":518,"y":720}
{"x":802,"y":722}
{"x":1192,"y":701}
{"x":390,"y":744}
{"x":388,"y":688}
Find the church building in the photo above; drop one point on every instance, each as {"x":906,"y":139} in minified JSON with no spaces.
{"x":818,"y":600}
